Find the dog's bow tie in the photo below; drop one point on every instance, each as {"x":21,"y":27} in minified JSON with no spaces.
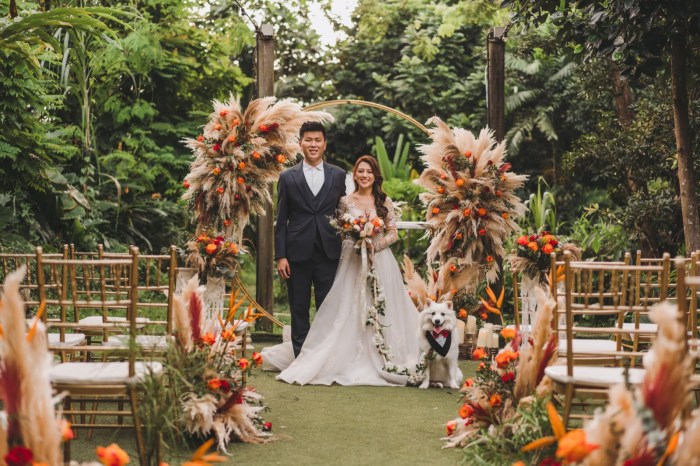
{"x":444,"y":333}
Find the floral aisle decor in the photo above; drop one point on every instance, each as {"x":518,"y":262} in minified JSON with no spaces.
{"x":213,"y":256}
{"x":241,"y":151}
{"x":504,"y":382}
{"x":471,"y":203}
{"x":206,"y":371}
{"x":646,"y":425}
{"x":32,"y":430}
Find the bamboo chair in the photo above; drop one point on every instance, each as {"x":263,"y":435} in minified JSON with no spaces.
{"x":112,"y":381}
{"x":9,"y":262}
{"x":598,"y":289}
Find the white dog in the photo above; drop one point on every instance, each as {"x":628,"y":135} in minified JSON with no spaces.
{"x":437,"y":324}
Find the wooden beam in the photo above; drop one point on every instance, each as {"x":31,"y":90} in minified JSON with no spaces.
{"x":496,"y":66}
{"x":264,"y":284}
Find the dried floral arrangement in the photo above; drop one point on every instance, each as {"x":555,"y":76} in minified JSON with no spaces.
{"x":213,"y":256}
{"x":206,"y":394}
{"x":471,"y":203}
{"x":512,"y":378}
{"x":532,"y":254}
{"x":239,"y":153}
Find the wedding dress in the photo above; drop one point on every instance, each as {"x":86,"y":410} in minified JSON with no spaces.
{"x":340,"y":348}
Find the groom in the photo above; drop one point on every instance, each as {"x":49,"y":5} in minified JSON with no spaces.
{"x":307,"y":248}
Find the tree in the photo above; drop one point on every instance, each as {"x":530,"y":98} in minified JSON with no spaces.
{"x":643,"y":37}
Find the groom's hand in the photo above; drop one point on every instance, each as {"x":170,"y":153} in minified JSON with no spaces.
{"x":283,"y":268}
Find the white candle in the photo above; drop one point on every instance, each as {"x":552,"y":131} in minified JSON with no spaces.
{"x":489,"y":332}
{"x":471,"y":325}
{"x":481,"y":339}
{"x":460,"y":331}
{"x":494,"y":340}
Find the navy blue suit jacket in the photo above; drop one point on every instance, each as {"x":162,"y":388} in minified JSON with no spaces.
{"x":300,"y":215}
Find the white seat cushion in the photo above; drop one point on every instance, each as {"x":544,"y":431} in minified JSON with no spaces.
{"x":143,"y":341}
{"x":582,"y":346}
{"x":71,"y":339}
{"x":646,"y":327}
{"x":97,"y":320}
{"x":74,"y":373}
{"x":593,"y":376}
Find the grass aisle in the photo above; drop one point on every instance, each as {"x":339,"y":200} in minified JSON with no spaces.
{"x":319,"y":425}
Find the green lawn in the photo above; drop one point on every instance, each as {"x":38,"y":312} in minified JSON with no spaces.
{"x":319,"y":425}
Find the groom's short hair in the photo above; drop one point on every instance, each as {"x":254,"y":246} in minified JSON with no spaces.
{"x":312,"y":126}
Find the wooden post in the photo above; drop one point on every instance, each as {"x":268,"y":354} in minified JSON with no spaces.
{"x":264,"y":291}
{"x":495,"y":97}
{"x":495,"y":106}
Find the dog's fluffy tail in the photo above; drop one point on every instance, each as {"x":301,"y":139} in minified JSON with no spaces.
{"x":417,"y":289}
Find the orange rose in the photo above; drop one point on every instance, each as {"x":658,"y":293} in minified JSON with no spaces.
{"x":508,"y":333}
{"x":257,"y":359}
{"x":112,"y":455}
{"x":495,"y":400}
{"x":241,"y":165}
{"x":505,"y":357}
{"x":217,"y":127}
{"x":441,"y":189}
{"x":489,"y":259}
{"x":211,"y":249}
{"x":240,"y":180}
{"x":256,"y":155}
{"x":186,"y":184}
{"x":469,"y":382}
{"x":453,"y":268}
{"x":572,"y":447}
{"x":443,"y":176}
{"x":281,"y":158}
{"x":467,"y":212}
{"x":532,"y":246}
{"x":482,"y":212}
{"x":468,"y":154}
{"x":479,"y":353}
{"x":233,"y":247}
{"x":459,"y":182}
{"x":243,"y":363}
{"x":220,"y":190}
{"x":208,"y":338}
{"x":231,"y":139}
{"x":216,"y":170}
{"x":436,"y":210}
{"x":499,"y":193}
{"x":223,"y":113}
{"x":214,"y":384}
{"x":466,"y":411}
{"x":547,"y":249}
{"x":523,"y":240}
{"x":227,"y":222}
{"x":458,"y":235}
{"x":200,"y":138}
{"x":462,"y":314}
{"x":236,"y":122}
{"x":505,"y":215}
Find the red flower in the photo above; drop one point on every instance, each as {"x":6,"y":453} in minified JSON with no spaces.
{"x":469,"y":382}
{"x":450,"y":427}
{"x":264,"y":128}
{"x":186,"y":184}
{"x":267,"y":427}
{"x":216,"y":147}
{"x":468,"y":154}
{"x":243,"y":363}
{"x":19,"y":456}
{"x":508,"y":377}
{"x":489,"y":258}
{"x":523,"y":240}
{"x":223,"y":113}
{"x":504,"y":167}
{"x":214,"y":384}
{"x":482,"y":231}
{"x":257,"y":359}
{"x":225,"y":386}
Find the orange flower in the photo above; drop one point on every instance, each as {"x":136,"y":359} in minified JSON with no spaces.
{"x":508,"y":333}
{"x":482,"y":212}
{"x":505,"y":215}
{"x":217,"y":127}
{"x":462,"y":314}
{"x":573,"y":448}
{"x":211,"y":249}
{"x":281,"y":158}
{"x":186,"y":184}
{"x":443,"y":176}
{"x":458,"y":235}
{"x":436,"y":210}
{"x":240,"y":180}
{"x":482,"y":366}
{"x":484,"y":315}
{"x":214,"y":384}
{"x":518,"y":463}
{"x":495,"y":400}
{"x":505,"y":357}
{"x":469,"y":382}
{"x":532,"y":246}
{"x":241,"y":165}
{"x":244,"y":364}
{"x":503,"y":177}
{"x":236,"y":122}
{"x":489,"y":258}
{"x":231,"y":139}
{"x":208,"y":338}
{"x":227,"y":222}
{"x":227,"y":334}
{"x":467,"y":212}
{"x":216,"y":170}
{"x":547,"y":249}
{"x":233,"y":247}
{"x":202,"y":238}
{"x":257,"y":359}
{"x":441,"y":189}
{"x":459,"y":182}
{"x":223,"y":113}
{"x":66,"y":431}
{"x":468,"y":154}
{"x":499,"y":193}
{"x":256,"y":155}
{"x":264,"y":128}
{"x":200,"y":138}
{"x":479,"y":353}
{"x":465,"y":411}
{"x":453,"y":268}
{"x":220,"y":190}
{"x":450,"y":427}
{"x":112,"y":455}
{"x":523,"y":240}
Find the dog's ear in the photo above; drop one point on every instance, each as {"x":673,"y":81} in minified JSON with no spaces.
{"x":449,"y":305}
{"x":428,"y":302}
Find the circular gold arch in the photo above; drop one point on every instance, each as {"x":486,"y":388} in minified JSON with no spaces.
{"x":334,"y":103}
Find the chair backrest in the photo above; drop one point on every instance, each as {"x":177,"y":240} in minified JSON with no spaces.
{"x":84,"y":297}
{"x":9,"y":262}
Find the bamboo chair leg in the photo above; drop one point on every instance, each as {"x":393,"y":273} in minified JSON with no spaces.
{"x":138,"y":428}
{"x":568,"y":400}
{"x":66,"y":444}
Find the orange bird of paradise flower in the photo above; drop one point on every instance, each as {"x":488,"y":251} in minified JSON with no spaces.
{"x":498,"y":302}
{"x":201,"y":458}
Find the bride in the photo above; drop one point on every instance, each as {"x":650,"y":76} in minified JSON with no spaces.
{"x":340,"y":348}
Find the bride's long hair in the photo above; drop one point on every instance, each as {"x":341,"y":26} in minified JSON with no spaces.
{"x":377,"y":192}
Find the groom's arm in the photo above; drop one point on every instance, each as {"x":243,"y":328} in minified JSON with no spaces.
{"x":281,"y":223}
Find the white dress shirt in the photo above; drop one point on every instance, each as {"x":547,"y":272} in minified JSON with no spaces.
{"x":314,"y":176}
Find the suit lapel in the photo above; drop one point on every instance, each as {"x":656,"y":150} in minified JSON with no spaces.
{"x":302,"y":184}
{"x":327,"y":183}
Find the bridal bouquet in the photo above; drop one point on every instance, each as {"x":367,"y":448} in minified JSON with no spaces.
{"x":360,"y":229}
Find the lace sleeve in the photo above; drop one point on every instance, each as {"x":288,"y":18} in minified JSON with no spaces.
{"x":392,"y":233}
{"x":343,"y":207}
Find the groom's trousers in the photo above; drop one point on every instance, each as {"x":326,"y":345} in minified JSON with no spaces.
{"x":319,"y":272}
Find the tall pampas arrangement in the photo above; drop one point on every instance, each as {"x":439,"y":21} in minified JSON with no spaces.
{"x":238,"y":154}
{"x":24,"y":381}
{"x":471,"y":201}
